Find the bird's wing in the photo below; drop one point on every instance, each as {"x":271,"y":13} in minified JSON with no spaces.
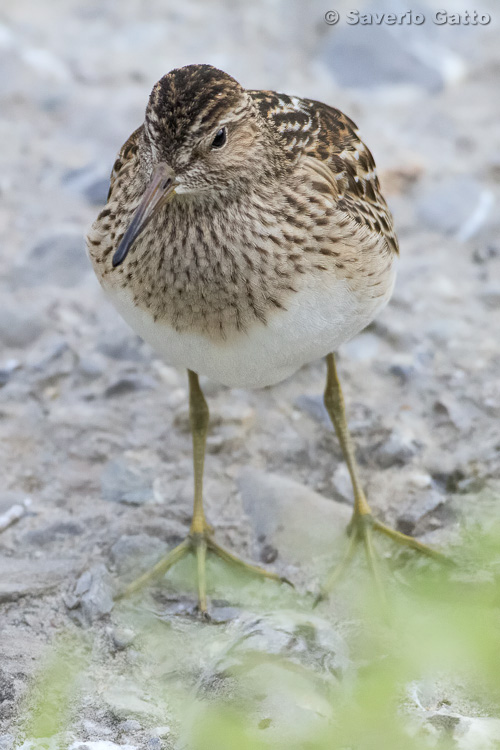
{"x":327,"y":142}
{"x":125,"y":156}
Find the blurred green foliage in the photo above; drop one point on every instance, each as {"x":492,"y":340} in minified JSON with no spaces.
{"x":441,"y":638}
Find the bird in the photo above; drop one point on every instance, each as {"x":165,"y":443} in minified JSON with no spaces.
{"x":245,"y":235}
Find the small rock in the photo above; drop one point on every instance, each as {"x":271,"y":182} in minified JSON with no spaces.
{"x":129,"y":725}
{"x":281,"y":666}
{"x":298,"y":522}
{"x":122,"y":638}
{"x":97,"y":191}
{"x":88,"y":182}
{"x":22,"y":577}
{"x":124,"y":480}
{"x":162,"y":732}
{"x":362,"y":57}
{"x":485,"y":253}
{"x":132,"y":553}
{"x":421,"y":506}
{"x":397,"y":450}
{"x":51,"y":533}
{"x":124,"y":386}
{"x":315,"y":407}
{"x":100,"y":745}
{"x":19,"y":326}
{"x":121,"y":345}
{"x":6,"y":742}
{"x":154,"y":743}
{"x":451,"y":207}
{"x":59,"y":260}
{"x":342,"y":483}
{"x":490,"y":296}
{"x":94,"y":590}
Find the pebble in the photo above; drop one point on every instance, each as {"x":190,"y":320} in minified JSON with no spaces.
{"x":132,"y":553}
{"x":92,"y":596}
{"x":129,"y":725}
{"x":19,"y":326}
{"x":490,"y":296}
{"x":59,"y":260}
{"x":298,"y":522}
{"x":363,"y":58}
{"x":124,"y":386}
{"x":315,"y":407}
{"x":100,"y":745}
{"x":280,"y":665}
{"x":22,"y":577}
{"x":88,"y":182}
{"x":342,"y":483}
{"x":422,"y":505}
{"x":122,"y":638}
{"x":120,"y":344}
{"x":397,"y":450}
{"x":450,"y":206}
{"x":124,"y":480}
{"x":163,"y":731}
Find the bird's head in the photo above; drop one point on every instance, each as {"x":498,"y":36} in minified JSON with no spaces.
{"x":202,"y":132}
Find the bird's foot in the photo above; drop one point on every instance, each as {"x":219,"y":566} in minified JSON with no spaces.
{"x":360,"y":531}
{"x":198,"y":543}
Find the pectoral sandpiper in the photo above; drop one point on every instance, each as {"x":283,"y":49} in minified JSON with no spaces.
{"x":245,"y":235}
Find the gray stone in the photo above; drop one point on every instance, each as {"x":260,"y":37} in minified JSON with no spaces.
{"x":126,"y":481}
{"x":397,"y":450}
{"x":129,"y":725}
{"x":411,"y":518}
{"x":271,"y":663}
{"x":59,"y":260}
{"x":94,"y":595}
{"x":88,"y":182}
{"x":131,"y":554}
{"x":6,"y":742}
{"x":297,"y":521}
{"x":450,"y":205}
{"x":314,"y":406}
{"x":342,"y":483}
{"x":51,"y":533}
{"x":120,"y":345}
{"x":365,"y":57}
{"x":122,"y":638}
{"x":490,"y":296}
{"x":19,"y":326}
{"x":21,"y":577}
{"x":154,"y":743}
{"x":124,"y":386}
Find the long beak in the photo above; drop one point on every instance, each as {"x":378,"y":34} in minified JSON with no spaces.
{"x":159,"y":191}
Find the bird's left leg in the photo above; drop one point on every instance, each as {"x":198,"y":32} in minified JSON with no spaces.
{"x":362,"y":524}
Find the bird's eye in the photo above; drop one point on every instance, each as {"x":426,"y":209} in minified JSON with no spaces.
{"x":220,"y":138}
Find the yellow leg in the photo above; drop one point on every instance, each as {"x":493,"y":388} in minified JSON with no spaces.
{"x":199,"y":540}
{"x":362,"y":523}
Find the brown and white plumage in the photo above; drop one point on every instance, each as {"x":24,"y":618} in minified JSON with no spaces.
{"x":274,"y":249}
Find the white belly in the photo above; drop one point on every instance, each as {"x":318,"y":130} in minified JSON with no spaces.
{"x":317,"y":320}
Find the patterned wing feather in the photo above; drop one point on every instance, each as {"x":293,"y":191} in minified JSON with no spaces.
{"x":313,"y":130}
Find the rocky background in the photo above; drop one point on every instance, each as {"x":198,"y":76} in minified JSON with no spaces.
{"x":94,"y":442}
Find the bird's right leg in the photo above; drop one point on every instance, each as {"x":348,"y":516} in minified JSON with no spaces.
{"x":199,"y":540}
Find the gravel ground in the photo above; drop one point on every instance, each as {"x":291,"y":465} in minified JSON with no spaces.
{"x":94,"y":442}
